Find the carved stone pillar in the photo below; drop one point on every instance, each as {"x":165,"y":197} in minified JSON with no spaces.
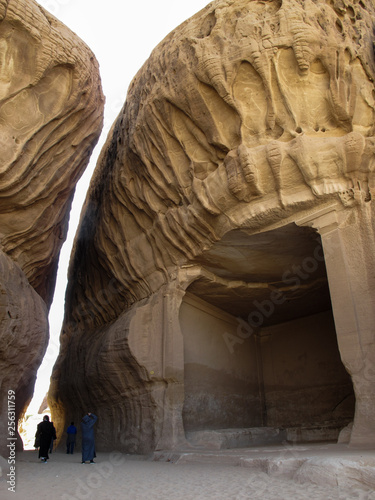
{"x":160,"y":351}
{"x":348,"y":237}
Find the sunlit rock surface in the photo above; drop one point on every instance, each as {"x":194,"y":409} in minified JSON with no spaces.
{"x":221,"y":275}
{"x":51,"y":108}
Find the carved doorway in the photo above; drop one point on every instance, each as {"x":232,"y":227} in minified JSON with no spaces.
{"x":260,"y":347}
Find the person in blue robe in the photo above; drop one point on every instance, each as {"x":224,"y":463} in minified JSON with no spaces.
{"x":88,"y":438}
{"x":71,"y":438}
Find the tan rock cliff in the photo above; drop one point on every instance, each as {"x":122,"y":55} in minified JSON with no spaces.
{"x":51,"y":108}
{"x":199,"y":296}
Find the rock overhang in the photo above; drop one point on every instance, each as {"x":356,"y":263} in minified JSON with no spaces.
{"x":247,"y":113}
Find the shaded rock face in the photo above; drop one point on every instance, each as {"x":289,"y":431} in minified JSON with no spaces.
{"x":24,"y":338}
{"x":51,"y":108}
{"x":214,"y":281}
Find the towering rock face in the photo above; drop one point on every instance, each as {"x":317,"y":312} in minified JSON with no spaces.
{"x":228,"y":235}
{"x":51,"y":108}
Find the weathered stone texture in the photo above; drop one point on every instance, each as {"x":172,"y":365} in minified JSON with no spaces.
{"x":24,"y":337}
{"x":248,"y":127}
{"x":51,"y":108}
{"x":50,"y":118}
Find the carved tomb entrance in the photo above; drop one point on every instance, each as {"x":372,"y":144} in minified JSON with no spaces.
{"x":260,"y":347}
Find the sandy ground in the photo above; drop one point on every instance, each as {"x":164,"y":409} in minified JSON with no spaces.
{"x":182,"y":476}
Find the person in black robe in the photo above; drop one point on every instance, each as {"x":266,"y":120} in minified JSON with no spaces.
{"x":46,"y":433}
{"x":88,"y":438}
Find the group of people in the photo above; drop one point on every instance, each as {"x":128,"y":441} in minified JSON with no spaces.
{"x":46,"y":434}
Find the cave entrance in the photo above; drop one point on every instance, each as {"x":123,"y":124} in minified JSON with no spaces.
{"x":260,"y":347}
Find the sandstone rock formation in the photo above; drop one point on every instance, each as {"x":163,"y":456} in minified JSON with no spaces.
{"x":221,"y":275}
{"x":51,"y":108}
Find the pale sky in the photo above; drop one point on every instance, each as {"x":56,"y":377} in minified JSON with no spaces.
{"x":122,"y":34}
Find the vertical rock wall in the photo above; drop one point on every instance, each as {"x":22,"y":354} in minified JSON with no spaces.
{"x":51,"y":108}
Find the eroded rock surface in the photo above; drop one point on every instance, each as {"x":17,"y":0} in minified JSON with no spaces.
{"x":249,"y":128}
{"x":51,"y":108}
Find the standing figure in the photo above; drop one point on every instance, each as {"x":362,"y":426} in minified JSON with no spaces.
{"x":88,"y":439}
{"x":52,"y":442}
{"x":71,"y":438}
{"x":46,"y":433}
